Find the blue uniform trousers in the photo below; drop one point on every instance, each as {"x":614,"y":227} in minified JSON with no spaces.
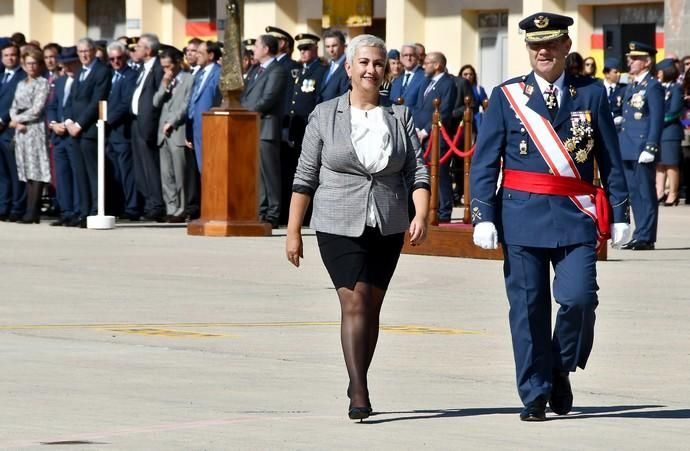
{"x":640,"y":178}
{"x":12,"y":191}
{"x":66,"y":179}
{"x":537,"y":350}
{"x":120,"y":154}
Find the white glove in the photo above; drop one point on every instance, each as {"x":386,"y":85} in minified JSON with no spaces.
{"x":620,"y":234}
{"x":645,"y":157}
{"x":485,"y":235}
{"x":618,"y":120}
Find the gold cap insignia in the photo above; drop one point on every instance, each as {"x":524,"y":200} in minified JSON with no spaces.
{"x":541,"y":22}
{"x":632,"y":46}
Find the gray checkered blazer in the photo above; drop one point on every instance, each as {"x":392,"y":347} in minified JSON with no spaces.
{"x":329,"y":170}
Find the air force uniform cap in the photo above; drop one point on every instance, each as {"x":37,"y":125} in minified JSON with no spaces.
{"x":665,"y":63}
{"x":304,"y":40}
{"x":636,"y":48}
{"x":249,"y":44}
{"x":543,"y":27}
{"x":281,"y":34}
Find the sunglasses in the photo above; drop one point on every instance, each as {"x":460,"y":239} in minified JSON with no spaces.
{"x":117,"y":58}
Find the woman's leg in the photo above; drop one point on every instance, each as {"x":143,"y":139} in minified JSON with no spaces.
{"x":673,"y":174}
{"x":377,"y":295}
{"x":356,"y":312}
{"x":660,"y":181}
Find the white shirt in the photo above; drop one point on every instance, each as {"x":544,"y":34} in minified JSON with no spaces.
{"x":137,"y":92}
{"x":408,"y":75}
{"x":640,"y":77}
{"x":9,"y":73}
{"x":68,"y":88}
{"x":204,"y":75}
{"x":373,"y":145}
{"x":544,"y":86}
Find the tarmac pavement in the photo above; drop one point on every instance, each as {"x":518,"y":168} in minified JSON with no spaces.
{"x":144,"y":338}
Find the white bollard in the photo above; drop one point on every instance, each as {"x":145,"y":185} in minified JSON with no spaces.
{"x":101,"y":221}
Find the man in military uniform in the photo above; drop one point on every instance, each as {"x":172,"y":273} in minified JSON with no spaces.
{"x":615,"y":90}
{"x":303,"y":97}
{"x":547,"y":128}
{"x":639,"y":137}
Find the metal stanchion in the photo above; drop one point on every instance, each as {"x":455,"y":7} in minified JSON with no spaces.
{"x":101,"y":221}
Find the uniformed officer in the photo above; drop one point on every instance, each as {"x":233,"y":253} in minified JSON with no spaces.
{"x":547,"y":128}
{"x":248,"y":61}
{"x":615,"y":90}
{"x":639,"y":137}
{"x":303,"y":96}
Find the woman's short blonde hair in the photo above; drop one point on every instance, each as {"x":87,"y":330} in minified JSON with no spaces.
{"x":34,"y":53}
{"x":364,"y":40}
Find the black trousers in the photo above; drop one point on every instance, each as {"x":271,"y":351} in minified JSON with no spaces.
{"x":147,"y":172}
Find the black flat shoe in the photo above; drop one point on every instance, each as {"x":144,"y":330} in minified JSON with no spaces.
{"x":29,"y":221}
{"x":628,"y":245}
{"x":561,"y":400}
{"x":534,"y":411}
{"x":359,"y":413}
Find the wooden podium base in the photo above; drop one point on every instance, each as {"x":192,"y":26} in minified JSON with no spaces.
{"x":451,"y":240}
{"x":229,"y":228}
{"x":229,"y":175}
{"x":455,"y":240}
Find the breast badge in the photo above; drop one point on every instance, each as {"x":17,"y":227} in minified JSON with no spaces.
{"x":523,"y":147}
{"x":308,"y":85}
{"x":637,"y":100}
{"x":637,"y":115}
{"x":580,"y":143}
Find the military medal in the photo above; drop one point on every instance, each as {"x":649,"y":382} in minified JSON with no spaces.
{"x":581,"y":156}
{"x":637,"y":101}
{"x":523,"y":147}
{"x":308,"y":85}
{"x":637,"y":115}
{"x":573,"y":91}
{"x":619,"y":101}
{"x":570,"y":144}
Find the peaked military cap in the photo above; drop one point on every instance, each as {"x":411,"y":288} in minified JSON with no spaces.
{"x":612,"y":63}
{"x":68,"y":55}
{"x":132,"y":42}
{"x":542,"y":27}
{"x":665,"y":63}
{"x":636,"y":48}
{"x":101,"y":43}
{"x":280,"y":34}
{"x":393,"y":54}
{"x":306,"y":40}
{"x":249,"y":44}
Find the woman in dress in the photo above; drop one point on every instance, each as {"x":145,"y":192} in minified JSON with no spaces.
{"x":668,"y":164}
{"x":359,"y":161}
{"x":27,"y":115}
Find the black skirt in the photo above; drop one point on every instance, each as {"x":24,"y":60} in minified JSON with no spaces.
{"x":369,"y":258}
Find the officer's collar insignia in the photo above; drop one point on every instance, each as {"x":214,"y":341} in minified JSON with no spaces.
{"x":573,"y":91}
{"x":541,"y":22}
{"x":528,"y":90}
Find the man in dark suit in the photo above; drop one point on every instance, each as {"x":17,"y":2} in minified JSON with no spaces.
{"x":406,"y":86}
{"x":123,"y":81}
{"x":145,"y":118}
{"x":615,"y":90}
{"x":639,"y":138}
{"x":457,"y":169}
{"x":438,"y":84}
{"x":303,"y":96}
{"x":542,"y":132}
{"x":12,"y":191}
{"x":63,"y":148}
{"x":81,"y":114}
{"x":335,"y":81}
{"x":264,"y":94}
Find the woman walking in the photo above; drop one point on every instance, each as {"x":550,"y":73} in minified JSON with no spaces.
{"x":359,"y":161}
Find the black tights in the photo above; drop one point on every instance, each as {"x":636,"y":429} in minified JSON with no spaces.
{"x":359,"y":332}
{"x":34,"y":190}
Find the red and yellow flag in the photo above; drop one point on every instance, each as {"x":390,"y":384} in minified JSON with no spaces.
{"x":347,"y":13}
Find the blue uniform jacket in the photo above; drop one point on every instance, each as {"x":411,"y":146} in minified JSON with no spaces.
{"x":411,"y":91}
{"x":673,"y":108}
{"x":337,"y":85}
{"x":55,"y":111}
{"x":643,"y":117}
{"x":119,"y":107}
{"x":538,"y":220}
{"x":6,"y":98}
{"x":616,"y":99}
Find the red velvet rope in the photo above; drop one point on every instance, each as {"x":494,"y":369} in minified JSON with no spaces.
{"x":452,"y":145}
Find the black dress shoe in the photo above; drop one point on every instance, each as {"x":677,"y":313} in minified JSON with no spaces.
{"x":640,"y":245}
{"x":129,"y":217}
{"x":60,"y":222}
{"x":628,"y":245}
{"x":561,"y":401}
{"x":172,"y":219}
{"x":14,"y":217}
{"x":359,"y":413}
{"x":534,"y":411}
{"x":77,"y":221}
{"x":4,"y":218}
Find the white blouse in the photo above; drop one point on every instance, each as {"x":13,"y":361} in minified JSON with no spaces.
{"x":373,"y":145}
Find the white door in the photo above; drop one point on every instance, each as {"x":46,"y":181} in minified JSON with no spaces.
{"x":493,"y":58}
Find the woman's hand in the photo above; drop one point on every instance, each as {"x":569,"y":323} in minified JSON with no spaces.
{"x":293,"y":247}
{"x":418,"y":230}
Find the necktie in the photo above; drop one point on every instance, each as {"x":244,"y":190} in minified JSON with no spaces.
{"x":142,"y":72}
{"x":330,"y":71}
{"x":430,"y":87}
{"x":259,"y":71}
{"x":610,"y":92}
{"x":116,"y":77}
{"x":6,"y":78}
{"x":406,"y":80}
{"x":82,"y":74}
{"x":552,"y":101}
{"x":197,"y":84}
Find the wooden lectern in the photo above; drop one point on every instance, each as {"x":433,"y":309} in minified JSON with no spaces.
{"x":230,"y":175}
